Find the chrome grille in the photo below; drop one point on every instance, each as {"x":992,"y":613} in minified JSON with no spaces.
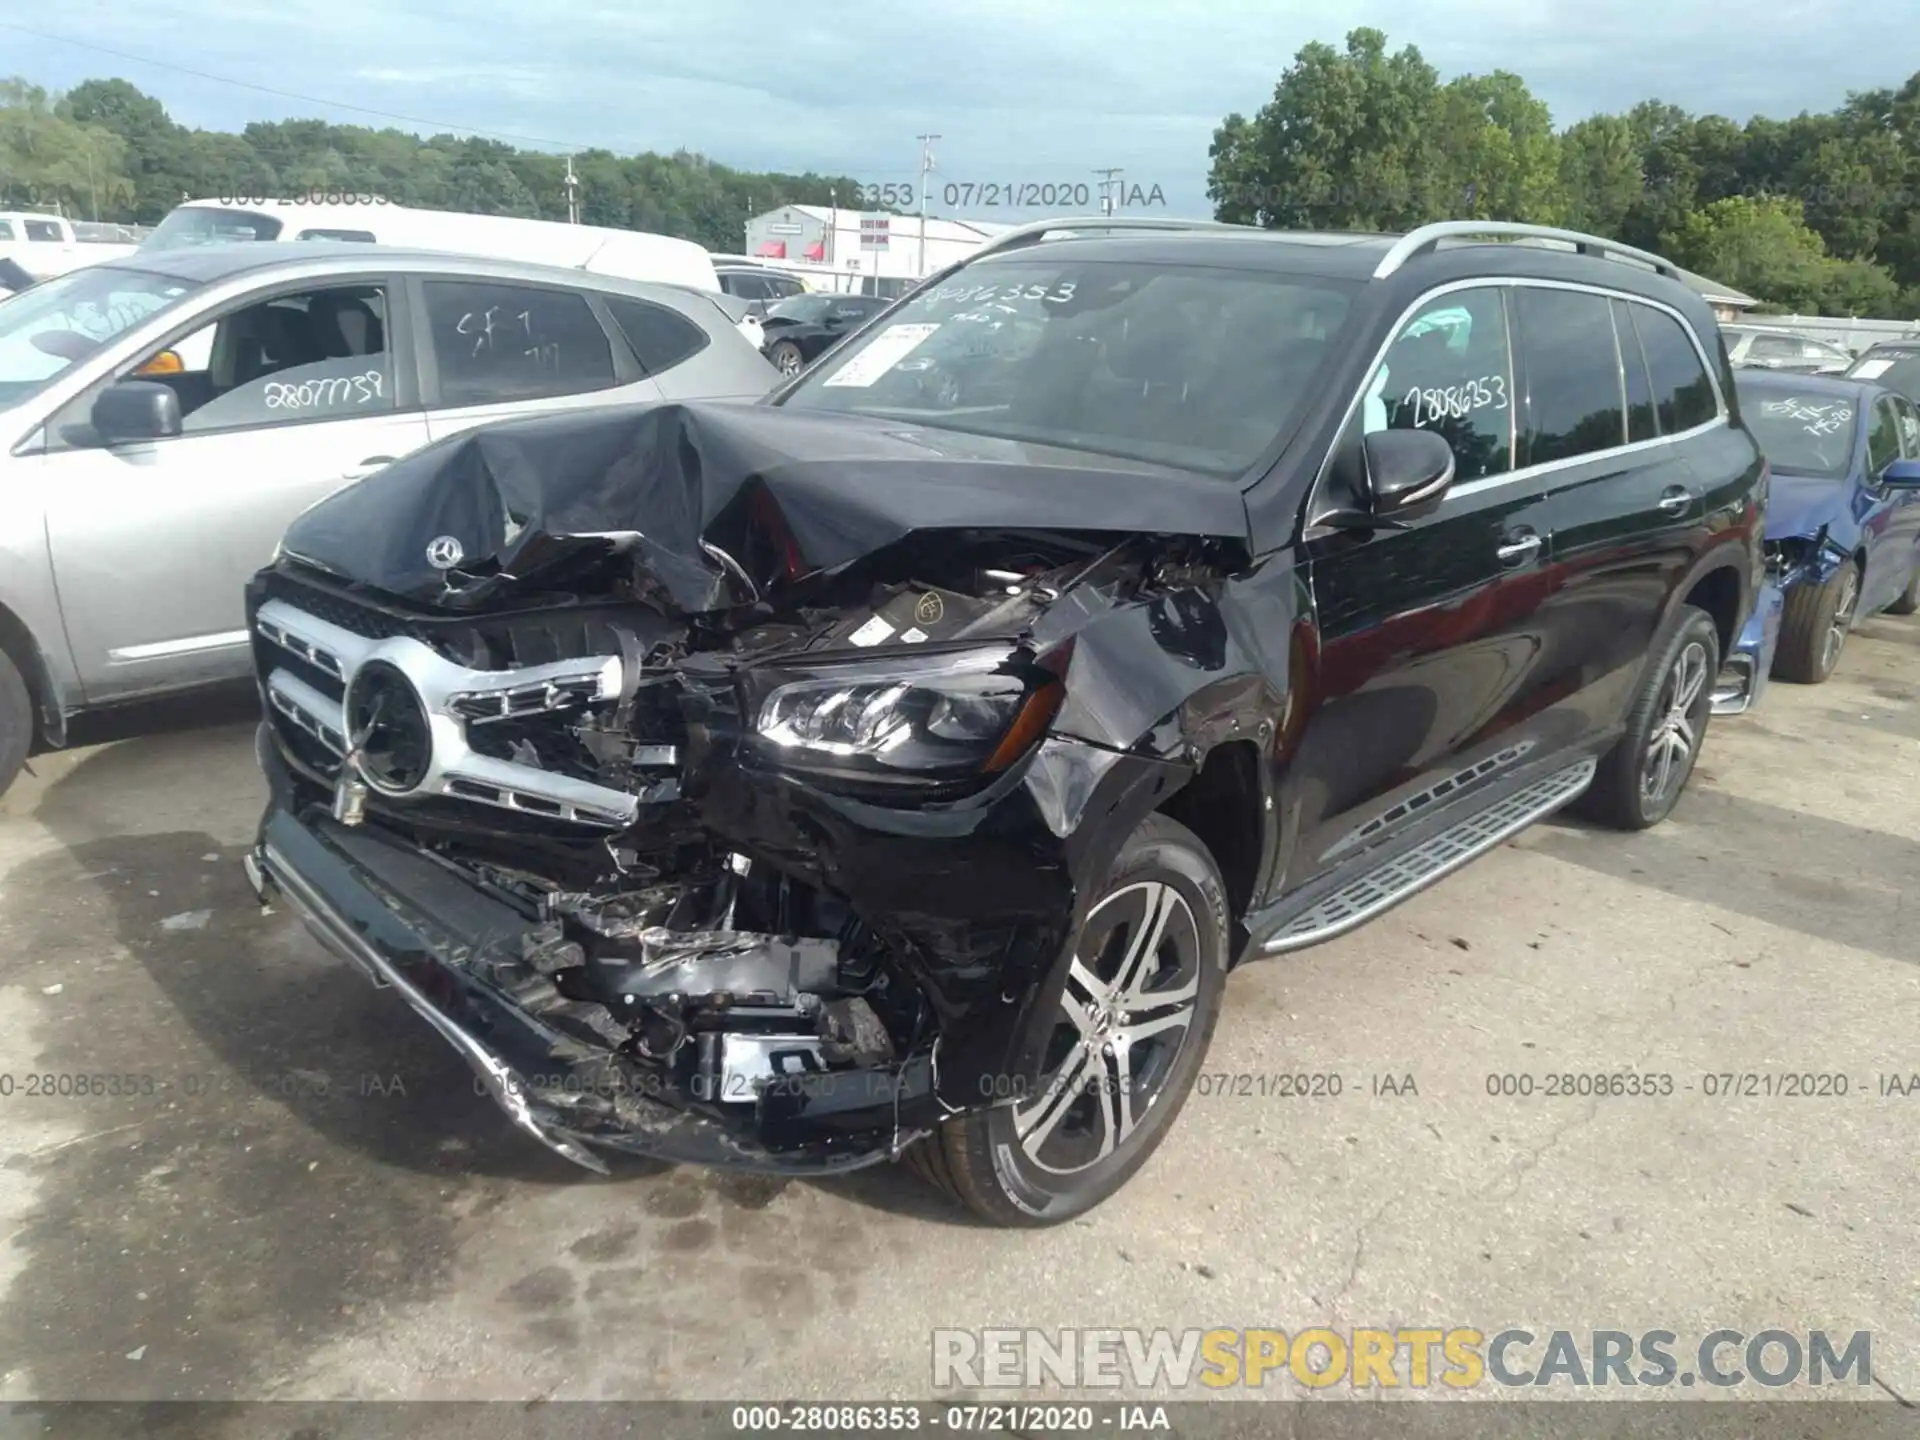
{"x":453,"y":696}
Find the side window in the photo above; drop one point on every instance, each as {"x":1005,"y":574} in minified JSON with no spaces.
{"x":317,"y":355}
{"x":1909,"y":427}
{"x":43,"y":230}
{"x":6,"y":230}
{"x":495,"y":342}
{"x":784,"y":286}
{"x":1682,"y":389}
{"x":1774,"y":347}
{"x":1572,"y":365}
{"x":661,"y":338}
{"x":1883,"y":440}
{"x":361,"y":236}
{"x":744,"y":286}
{"x":1642,"y":423}
{"x":1449,"y":370}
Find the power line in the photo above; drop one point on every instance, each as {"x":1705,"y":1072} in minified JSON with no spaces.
{"x":291,"y":94}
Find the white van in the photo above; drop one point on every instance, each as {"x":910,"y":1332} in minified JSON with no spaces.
{"x":627,"y":254}
{"x":366,"y":219}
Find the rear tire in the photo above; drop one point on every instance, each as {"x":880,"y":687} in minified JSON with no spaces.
{"x":1909,"y":601}
{"x":1070,"y":1143}
{"x":16,"y":721}
{"x":1641,"y":778}
{"x":1813,"y":629}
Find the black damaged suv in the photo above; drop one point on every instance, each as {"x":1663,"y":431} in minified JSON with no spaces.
{"x":896,"y":767}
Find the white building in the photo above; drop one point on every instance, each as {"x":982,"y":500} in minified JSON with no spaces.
{"x":866,"y":251}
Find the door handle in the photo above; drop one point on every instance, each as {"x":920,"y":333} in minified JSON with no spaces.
{"x":1675,"y":500}
{"x":1519,"y":549}
{"x":367,"y":466}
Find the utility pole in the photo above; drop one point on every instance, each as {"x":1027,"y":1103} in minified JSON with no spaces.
{"x":573,"y":194}
{"x":1106,"y":190}
{"x":926,"y":168}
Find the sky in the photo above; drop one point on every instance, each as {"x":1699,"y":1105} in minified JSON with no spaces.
{"x":1021,"y":92}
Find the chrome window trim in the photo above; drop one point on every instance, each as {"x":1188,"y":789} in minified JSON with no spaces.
{"x":1512,"y":282}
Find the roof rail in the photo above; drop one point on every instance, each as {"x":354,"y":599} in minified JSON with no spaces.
{"x":1428,"y":237}
{"x":1038,"y":230}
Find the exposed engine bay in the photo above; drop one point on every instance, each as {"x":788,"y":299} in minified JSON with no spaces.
{"x":760,"y":822}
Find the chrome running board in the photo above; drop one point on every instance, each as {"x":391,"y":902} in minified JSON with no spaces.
{"x":1360,"y":900}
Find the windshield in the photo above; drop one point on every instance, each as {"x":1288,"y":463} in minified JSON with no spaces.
{"x":1189,"y":366}
{"x":1895,"y":369}
{"x":1804,"y":434}
{"x":204,"y":225}
{"x":47,"y":329}
{"x":803,"y":308}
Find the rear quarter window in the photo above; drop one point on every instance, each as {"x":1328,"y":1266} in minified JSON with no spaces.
{"x":1682,"y":389}
{"x":661,"y":338}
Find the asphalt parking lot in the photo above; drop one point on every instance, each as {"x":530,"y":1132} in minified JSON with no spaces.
{"x":304,"y":1197}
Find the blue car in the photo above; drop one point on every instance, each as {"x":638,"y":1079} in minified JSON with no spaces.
{"x":1843,"y":524}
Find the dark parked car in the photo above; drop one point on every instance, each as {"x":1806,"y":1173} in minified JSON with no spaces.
{"x":799,"y":330}
{"x":1892,"y":363}
{"x":845,"y":777}
{"x":1844,"y":522}
{"x":760,"y":286}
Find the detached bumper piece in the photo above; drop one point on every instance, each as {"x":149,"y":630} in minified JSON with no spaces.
{"x":757,"y":1099}
{"x":1743,"y":675}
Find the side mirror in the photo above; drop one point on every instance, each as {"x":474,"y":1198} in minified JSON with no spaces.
{"x":1902,"y":475}
{"x":136,"y":410}
{"x":1408,"y":472}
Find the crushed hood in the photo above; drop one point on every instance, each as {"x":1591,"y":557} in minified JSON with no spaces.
{"x":1799,"y":505}
{"x":700,"y":507}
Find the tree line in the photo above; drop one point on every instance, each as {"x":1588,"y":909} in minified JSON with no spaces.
{"x":1818,"y":213}
{"x":106,"y":150}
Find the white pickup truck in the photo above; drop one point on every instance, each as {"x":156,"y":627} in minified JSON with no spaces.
{"x":46,"y":245}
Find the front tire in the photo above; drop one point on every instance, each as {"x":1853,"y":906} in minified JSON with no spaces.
{"x":1142,"y":995}
{"x":1641,"y":778}
{"x":1814,"y":628}
{"x":786,"y":358}
{"x":16,"y":721}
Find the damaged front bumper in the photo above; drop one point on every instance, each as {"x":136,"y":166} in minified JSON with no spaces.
{"x":426,"y":932}
{"x":1744,"y":673}
{"x":1791,"y":561}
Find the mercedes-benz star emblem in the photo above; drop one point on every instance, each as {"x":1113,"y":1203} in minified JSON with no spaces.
{"x":444,"y":552}
{"x":389,"y":736}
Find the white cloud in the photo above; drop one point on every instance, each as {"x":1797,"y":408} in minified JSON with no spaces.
{"x":1018,"y":92}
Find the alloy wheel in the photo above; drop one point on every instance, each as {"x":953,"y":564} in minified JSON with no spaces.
{"x":787,"y":358}
{"x":1125,"y":1012}
{"x":1842,"y":618}
{"x":1676,"y":734}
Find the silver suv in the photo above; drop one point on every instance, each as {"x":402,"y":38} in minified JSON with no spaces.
{"x":163,"y":417}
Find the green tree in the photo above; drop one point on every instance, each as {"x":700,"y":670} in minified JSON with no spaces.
{"x":1760,"y":245}
{"x":49,"y":161}
{"x":1348,"y":142}
{"x":158,"y":152}
{"x":1600,"y":175}
{"x":1501,"y":156}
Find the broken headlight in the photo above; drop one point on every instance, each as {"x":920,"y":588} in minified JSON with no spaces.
{"x":938,"y":717}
